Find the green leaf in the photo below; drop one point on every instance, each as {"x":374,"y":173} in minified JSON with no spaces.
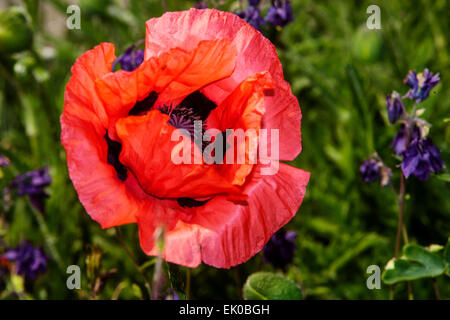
{"x":445,"y":177}
{"x":447,"y":258}
{"x":270,"y":286}
{"x":15,"y":32}
{"x":434,"y":248}
{"x":137,"y":291}
{"x":416,"y":263}
{"x":18,"y":283}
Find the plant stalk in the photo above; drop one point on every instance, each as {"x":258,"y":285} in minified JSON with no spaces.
{"x":136,"y":264}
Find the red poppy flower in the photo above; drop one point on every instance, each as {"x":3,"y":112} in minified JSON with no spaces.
{"x":117,"y":126}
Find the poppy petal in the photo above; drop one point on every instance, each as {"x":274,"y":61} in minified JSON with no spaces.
{"x":80,"y":90}
{"x":243,"y":109}
{"x":147,"y":149}
{"x":224,"y":234}
{"x":108,"y":200}
{"x":255,"y":54}
{"x":173,"y":75}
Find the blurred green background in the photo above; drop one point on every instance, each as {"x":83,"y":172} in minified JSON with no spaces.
{"x":340,"y":72}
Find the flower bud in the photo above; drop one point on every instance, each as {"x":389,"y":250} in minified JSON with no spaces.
{"x":15,"y":32}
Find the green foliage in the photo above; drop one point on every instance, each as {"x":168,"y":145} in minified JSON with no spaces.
{"x":15,"y":32}
{"x":340,"y":73}
{"x":417,"y":262}
{"x":447,"y":258}
{"x":270,"y":286}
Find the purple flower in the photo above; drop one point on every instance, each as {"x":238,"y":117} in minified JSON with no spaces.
{"x":130,"y":59}
{"x":279,"y":251}
{"x":171,"y":295}
{"x":421,"y":158}
{"x":201,"y":5}
{"x":420,"y":84}
{"x":399,"y":144}
{"x":32,"y":184}
{"x":400,"y":140}
{"x":280,"y":13}
{"x":254,"y":3}
{"x":30,"y":261}
{"x":252,"y":15}
{"x":370,"y":170}
{"x":4,"y":161}
{"x":394,"y":106}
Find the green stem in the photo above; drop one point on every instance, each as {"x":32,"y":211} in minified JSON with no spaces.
{"x":188,"y":283}
{"x":133,"y":260}
{"x":401,"y":206}
{"x":410,"y":291}
{"x":157,"y":278}
{"x":48,"y":238}
{"x":436,"y":289}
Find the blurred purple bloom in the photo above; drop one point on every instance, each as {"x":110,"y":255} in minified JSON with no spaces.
{"x":420,"y":84}
{"x":4,"y":161}
{"x":201,"y":5}
{"x":399,"y":144}
{"x":370,"y":170}
{"x":252,"y":15}
{"x":171,"y":295}
{"x":30,"y":261}
{"x":421,"y":158}
{"x":254,"y":3}
{"x":394,"y":106}
{"x":130,"y":59}
{"x":279,"y":251}
{"x":32,"y":184}
{"x":280,"y":13}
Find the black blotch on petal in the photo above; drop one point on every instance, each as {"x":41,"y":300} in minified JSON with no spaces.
{"x":196,"y":106}
{"x":114,"y":149}
{"x":143,"y":106}
{"x":191,"y":203}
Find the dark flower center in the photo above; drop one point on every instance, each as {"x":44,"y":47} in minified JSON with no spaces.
{"x":195,"y":107}
{"x":144,"y":106}
{"x":191,"y":203}
{"x":114,"y":149}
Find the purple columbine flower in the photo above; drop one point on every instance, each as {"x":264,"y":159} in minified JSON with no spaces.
{"x":30,"y":261}
{"x":130,"y":59}
{"x":280,"y":13}
{"x":252,"y":15}
{"x":279,"y":251}
{"x":394,"y":106}
{"x":201,"y":5}
{"x":400,"y":143}
{"x":370,"y":170}
{"x":4,"y":161}
{"x":32,"y":184}
{"x":421,"y":158}
{"x":420,"y":84}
